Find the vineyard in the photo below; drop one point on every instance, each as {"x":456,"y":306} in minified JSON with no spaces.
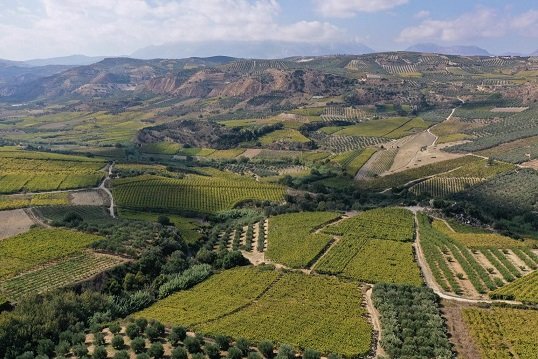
{"x":352,"y":161}
{"x":285,"y":135}
{"x":204,"y":194}
{"x":289,"y":312}
{"x":59,"y":274}
{"x":524,"y":289}
{"x":38,"y":246}
{"x":34,"y":200}
{"x":291,"y":240}
{"x":504,"y":333}
{"x":340,"y":144}
{"x":33,"y":175}
{"x":373,"y":247}
{"x":442,"y":186}
{"x":214,"y":298}
{"x":472,"y":263}
{"x":515,"y":152}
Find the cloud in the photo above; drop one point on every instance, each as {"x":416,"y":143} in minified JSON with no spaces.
{"x":482,"y":23}
{"x":103,"y":27}
{"x":350,"y":8}
{"x":422,"y":14}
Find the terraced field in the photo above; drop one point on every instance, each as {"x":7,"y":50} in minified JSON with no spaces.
{"x":193,"y":193}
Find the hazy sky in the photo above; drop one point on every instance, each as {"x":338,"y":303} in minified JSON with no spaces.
{"x":47,"y":28}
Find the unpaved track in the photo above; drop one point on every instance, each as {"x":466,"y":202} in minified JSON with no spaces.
{"x":376,"y":322}
{"x":103,"y":187}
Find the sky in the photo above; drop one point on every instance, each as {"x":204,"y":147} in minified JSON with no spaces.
{"x":49,"y":28}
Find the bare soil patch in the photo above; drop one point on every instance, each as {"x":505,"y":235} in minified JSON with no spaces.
{"x":530,"y":164}
{"x":484,"y":262}
{"x":251,"y":153}
{"x":458,"y":331}
{"x":468,"y":290}
{"x":14,"y":222}
{"x":87,"y":198}
{"x":509,"y":109}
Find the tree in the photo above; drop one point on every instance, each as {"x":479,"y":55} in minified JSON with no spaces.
{"x":117,"y":342}
{"x":234,"y":353}
{"x":132,"y":330}
{"x":164,"y":221}
{"x":223,"y":342}
{"x":122,"y":354}
{"x":177,"y":334}
{"x":99,"y":352}
{"x":266,"y":348}
{"x":138,"y":345}
{"x":212,"y":351}
{"x":192,"y":344}
{"x":156,"y":350}
{"x":98,"y":339}
{"x":286,"y":351}
{"x":62,"y":348}
{"x":254,"y":355}
{"x":152,"y":333}
{"x":114,"y":328}
{"x":45,"y":347}
{"x":80,"y":350}
{"x":179,"y":353}
{"x":143,"y":356}
{"x":141,"y":323}
{"x":243,"y":345}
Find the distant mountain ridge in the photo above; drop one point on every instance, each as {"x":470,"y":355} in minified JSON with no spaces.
{"x":449,"y":50}
{"x":72,"y":60}
{"x":257,"y":50}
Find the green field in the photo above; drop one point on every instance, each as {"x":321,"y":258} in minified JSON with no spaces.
{"x":195,"y":193}
{"x":285,"y":135}
{"x":34,"y":200}
{"x":392,"y":127}
{"x":524,"y":289}
{"x":375,"y":246}
{"x":39,"y":246}
{"x":292,"y":241}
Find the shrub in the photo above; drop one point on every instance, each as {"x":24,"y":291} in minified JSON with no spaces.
{"x":152,"y":333}
{"x":311,"y":354}
{"x":117,"y":342}
{"x":192,"y":345}
{"x":26,"y":355}
{"x":177,"y":334}
{"x":286,"y":351}
{"x":156,"y":350}
{"x":98,"y":339}
{"x":212,"y":351}
{"x":45,"y":347}
{"x":243,"y":345}
{"x":223,"y":342}
{"x":99,"y":352}
{"x":141,"y":323}
{"x":179,"y":353}
{"x":80,"y":350}
{"x":114,"y":328}
{"x":143,"y":356}
{"x":266,"y":348}
{"x":138,"y":345}
{"x":198,"y":356}
{"x":254,"y":355}
{"x":132,"y":331}
{"x":62,"y":348}
{"x":159,"y":327}
{"x":122,"y":354}
{"x":78,"y":338}
{"x":234,"y":353}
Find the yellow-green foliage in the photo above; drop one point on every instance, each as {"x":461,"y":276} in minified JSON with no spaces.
{"x":291,"y":240}
{"x":35,"y":171}
{"x":478,"y":240}
{"x":480,"y":168}
{"x":374,"y":247}
{"x":503,"y":333}
{"x":392,"y":127}
{"x":524,"y":289}
{"x":284,"y":135}
{"x":205,"y":194}
{"x":381,"y":261}
{"x":306,"y":311}
{"x":217,"y":296}
{"x":35,"y":200}
{"x":58,"y":275}
{"x":187,"y":227}
{"x":164,"y":147}
{"x":39,"y":246}
{"x":352,"y":161}
{"x":226,"y":154}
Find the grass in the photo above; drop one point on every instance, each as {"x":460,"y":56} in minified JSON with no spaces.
{"x":524,"y":289}
{"x":226,"y":154}
{"x":35,"y":200}
{"x":38,"y":246}
{"x":291,"y":240}
{"x":164,"y":148}
{"x":478,"y":240}
{"x":392,"y":127}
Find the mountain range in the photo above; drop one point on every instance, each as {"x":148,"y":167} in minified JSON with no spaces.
{"x":460,"y":50}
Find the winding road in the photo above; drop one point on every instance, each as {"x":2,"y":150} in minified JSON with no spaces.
{"x":103,"y":187}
